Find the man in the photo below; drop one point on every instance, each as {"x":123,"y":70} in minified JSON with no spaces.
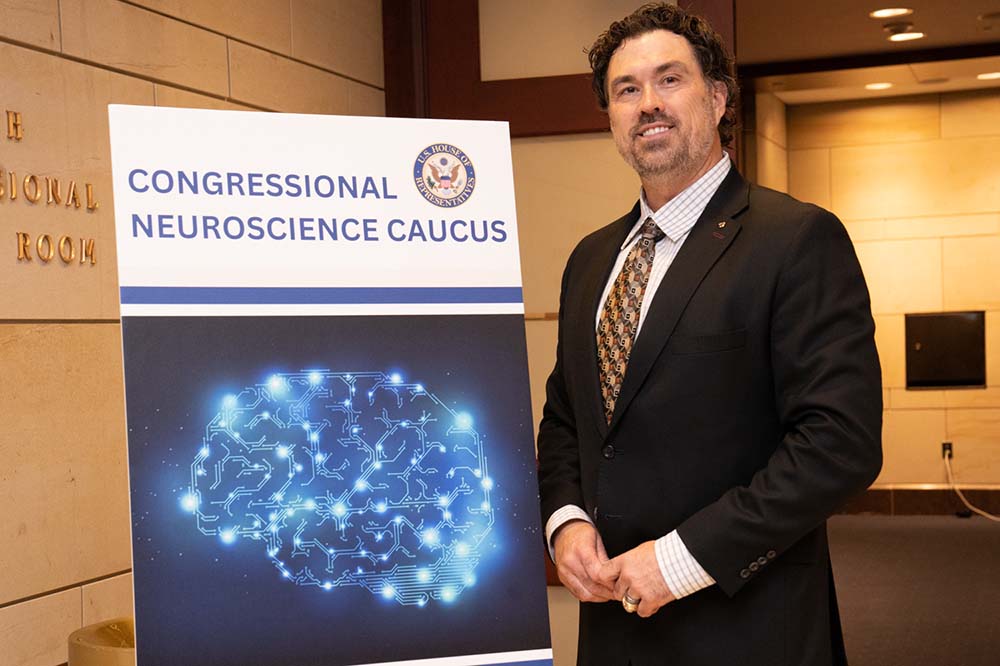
{"x":716,"y":394}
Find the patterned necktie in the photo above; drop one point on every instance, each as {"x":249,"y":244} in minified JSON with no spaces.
{"x":620,"y":318}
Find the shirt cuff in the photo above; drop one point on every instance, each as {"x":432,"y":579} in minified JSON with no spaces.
{"x":680,"y":570}
{"x":562,"y":515}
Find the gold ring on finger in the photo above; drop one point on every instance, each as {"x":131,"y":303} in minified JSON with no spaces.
{"x":630,"y":603}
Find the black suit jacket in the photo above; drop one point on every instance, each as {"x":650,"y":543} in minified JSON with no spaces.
{"x":751,"y":410}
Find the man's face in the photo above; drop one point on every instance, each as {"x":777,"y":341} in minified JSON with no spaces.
{"x":664,"y":115}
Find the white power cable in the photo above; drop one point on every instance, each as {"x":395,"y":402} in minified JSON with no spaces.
{"x":954,"y":486}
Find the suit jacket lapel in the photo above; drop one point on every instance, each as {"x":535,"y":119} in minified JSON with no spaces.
{"x":596,"y":280}
{"x":703,"y":247}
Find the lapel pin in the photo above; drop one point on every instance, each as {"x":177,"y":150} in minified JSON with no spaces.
{"x":722,"y":225}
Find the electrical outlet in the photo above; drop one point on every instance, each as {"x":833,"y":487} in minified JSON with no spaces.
{"x":946,"y":450}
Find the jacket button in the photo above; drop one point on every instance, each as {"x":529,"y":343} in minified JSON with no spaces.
{"x":771,"y":554}
{"x":753,"y":566}
{"x":608,"y":452}
{"x":761,"y":561}
{"x":745,"y":573}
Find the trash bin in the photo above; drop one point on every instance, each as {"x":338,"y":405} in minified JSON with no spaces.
{"x":108,"y":643}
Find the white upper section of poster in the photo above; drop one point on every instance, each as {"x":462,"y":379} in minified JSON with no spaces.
{"x":234,"y":212}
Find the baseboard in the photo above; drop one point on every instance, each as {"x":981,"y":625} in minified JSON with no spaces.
{"x":894,"y":501}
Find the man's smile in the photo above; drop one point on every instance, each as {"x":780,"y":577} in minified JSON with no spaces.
{"x":652,"y":130}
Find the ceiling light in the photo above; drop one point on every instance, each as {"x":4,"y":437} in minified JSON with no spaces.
{"x":878,"y":86}
{"x":988,"y":76}
{"x":906,"y":36}
{"x":890,"y":12}
{"x":899,"y":31}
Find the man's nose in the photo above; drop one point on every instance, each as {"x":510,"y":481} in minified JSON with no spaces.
{"x":651,"y":102}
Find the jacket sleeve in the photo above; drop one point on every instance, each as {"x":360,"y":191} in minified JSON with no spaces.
{"x":828,"y":394}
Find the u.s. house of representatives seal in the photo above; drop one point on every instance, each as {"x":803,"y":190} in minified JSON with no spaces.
{"x":444,"y":175}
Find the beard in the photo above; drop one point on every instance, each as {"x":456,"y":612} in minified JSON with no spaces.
{"x":681,"y":150}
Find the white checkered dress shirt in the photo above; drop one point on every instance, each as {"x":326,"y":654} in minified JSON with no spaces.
{"x":680,"y":570}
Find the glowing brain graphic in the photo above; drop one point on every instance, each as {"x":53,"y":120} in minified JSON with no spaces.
{"x":347,"y":479}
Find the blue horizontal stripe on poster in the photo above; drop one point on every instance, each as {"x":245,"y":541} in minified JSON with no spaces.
{"x":318,"y":295}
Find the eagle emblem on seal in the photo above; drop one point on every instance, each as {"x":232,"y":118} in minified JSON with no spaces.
{"x":444,"y":175}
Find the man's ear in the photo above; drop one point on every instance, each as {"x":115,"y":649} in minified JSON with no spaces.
{"x":720,"y":95}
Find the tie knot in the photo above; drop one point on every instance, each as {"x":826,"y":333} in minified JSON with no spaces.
{"x":651,"y":231}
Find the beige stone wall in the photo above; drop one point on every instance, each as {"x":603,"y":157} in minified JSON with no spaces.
{"x":526,"y":38}
{"x":65,"y":559}
{"x":771,"y":142}
{"x":917,"y":183}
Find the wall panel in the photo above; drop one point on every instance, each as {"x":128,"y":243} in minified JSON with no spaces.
{"x":890,"y":339}
{"x":772,"y":165}
{"x":364,"y":100}
{"x":135,"y":40}
{"x":903,"y":276}
{"x":266,"y":23}
{"x":972,"y":273}
{"x":911,"y":443}
{"x":566,"y":187}
{"x":107,"y":599}
{"x":344,"y":36}
{"x":541,"y":337}
{"x":268,"y":80}
{"x":64,"y":447}
{"x":987,"y":224}
{"x":976,"y":398}
{"x":170,"y":96}
{"x":941,"y":177}
{"x":972,"y":113}
{"x":856,"y":123}
{"x":34,"y":22}
{"x":809,"y":176}
{"x":975,"y":433}
{"x":35,"y":633}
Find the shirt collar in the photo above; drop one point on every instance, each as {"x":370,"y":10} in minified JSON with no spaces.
{"x":677,"y":216}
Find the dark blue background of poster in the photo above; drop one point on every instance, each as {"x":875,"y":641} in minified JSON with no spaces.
{"x":203,"y":604}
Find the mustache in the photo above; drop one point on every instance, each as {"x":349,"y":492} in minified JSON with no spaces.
{"x":650,"y":118}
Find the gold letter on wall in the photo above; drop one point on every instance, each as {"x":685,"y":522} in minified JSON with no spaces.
{"x":52,"y":187}
{"x":87,"y":251}
{"x":72,"y":198}
{"x":92,"y":204}
{"x":49,"y":252}
{"x":67,"y":252}
{"x":15,"y":130}
{"x":32,"y":190}
{"x":23,"y":246}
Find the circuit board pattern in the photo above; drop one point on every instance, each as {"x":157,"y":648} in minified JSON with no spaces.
{"x":347,"y":479}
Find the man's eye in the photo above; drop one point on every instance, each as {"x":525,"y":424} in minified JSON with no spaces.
{"x":670,"y":79}
{"x":627,"y":90}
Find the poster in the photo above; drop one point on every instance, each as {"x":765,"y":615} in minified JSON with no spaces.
{"x":329,"y":429}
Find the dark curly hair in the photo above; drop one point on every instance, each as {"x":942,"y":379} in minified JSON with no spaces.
{"x":716,"y":63}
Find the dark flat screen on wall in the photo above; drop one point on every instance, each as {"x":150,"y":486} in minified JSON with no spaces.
{"x":946,"y":349}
